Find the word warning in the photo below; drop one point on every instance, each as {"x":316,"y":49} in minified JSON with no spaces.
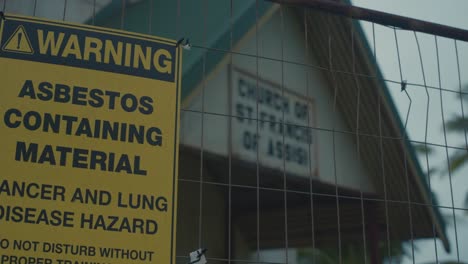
{"x":89,"y":137}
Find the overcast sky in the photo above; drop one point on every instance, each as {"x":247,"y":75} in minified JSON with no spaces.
{"x":451,"y":13}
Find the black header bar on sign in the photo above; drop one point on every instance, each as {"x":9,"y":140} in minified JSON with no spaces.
{"x":94,"y":49}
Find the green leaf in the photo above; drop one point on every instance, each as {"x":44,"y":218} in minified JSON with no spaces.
{"x":423,"y":149}
{"x":466,"y":202}
{"x":464,"y":90}
{"x":457,"y":124}
{"x":458,"y":159}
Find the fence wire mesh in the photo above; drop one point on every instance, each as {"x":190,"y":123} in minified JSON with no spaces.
{"x":307,"y":137}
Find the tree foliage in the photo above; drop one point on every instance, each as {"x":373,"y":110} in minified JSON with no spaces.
{"x":459,"y":124}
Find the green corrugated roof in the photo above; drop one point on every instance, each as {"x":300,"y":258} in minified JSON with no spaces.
{"x":167,"y":19}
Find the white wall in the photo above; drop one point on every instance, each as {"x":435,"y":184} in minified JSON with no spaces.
{"x":296,"y":77}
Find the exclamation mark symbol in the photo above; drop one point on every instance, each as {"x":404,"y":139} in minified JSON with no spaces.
{"x":20,"y":35}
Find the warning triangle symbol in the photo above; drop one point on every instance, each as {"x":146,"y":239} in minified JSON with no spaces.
{"x":19,"y":42}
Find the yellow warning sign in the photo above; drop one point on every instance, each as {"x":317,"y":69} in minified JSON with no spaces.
{"x":19,"y":42}
{"x":88,"y":144}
